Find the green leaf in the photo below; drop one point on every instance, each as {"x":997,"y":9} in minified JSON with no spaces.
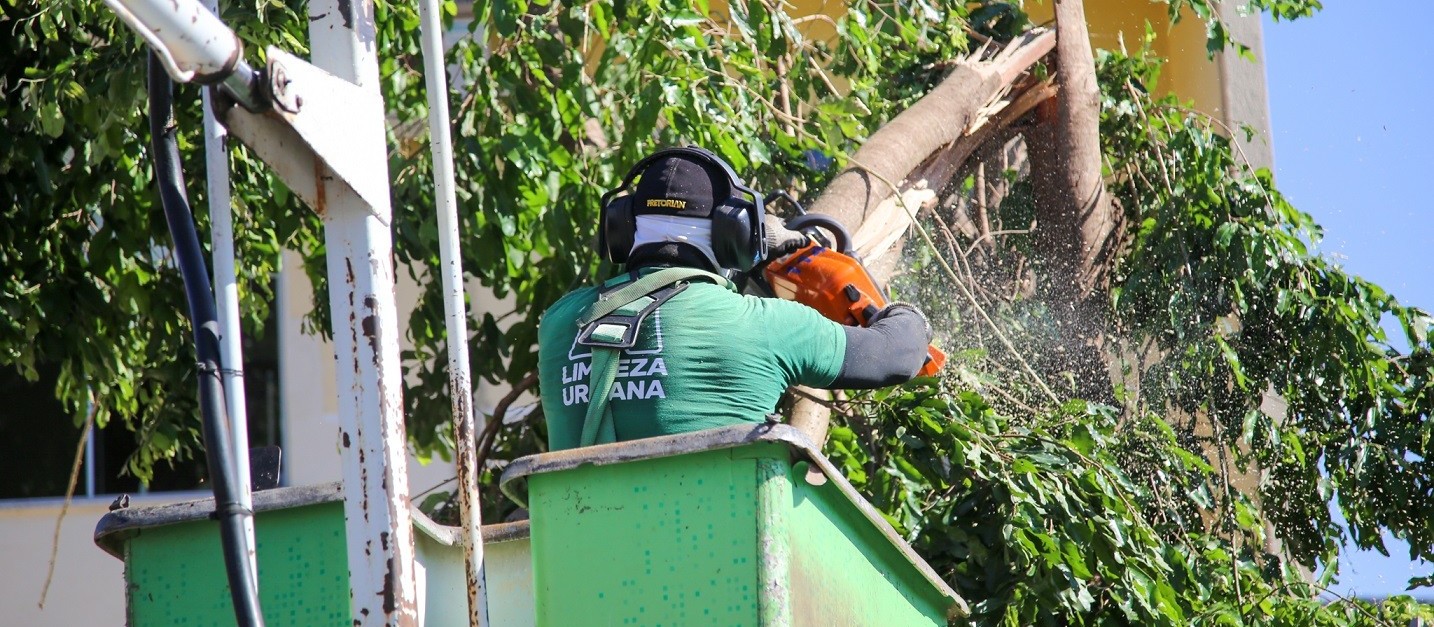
{"x":683,"y":19}
{"x":52,"y":121}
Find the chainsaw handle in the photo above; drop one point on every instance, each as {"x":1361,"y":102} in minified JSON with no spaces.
{"x":782,"y":195}
{"x":841,"y":238}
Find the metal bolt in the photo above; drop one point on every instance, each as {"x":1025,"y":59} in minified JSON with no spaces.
{"x":279,"y":82}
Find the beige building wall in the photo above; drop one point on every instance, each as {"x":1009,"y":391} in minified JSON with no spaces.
{"x":1244,"y":91}
{"x":1228,"y":88}
{"x":88,"y":586}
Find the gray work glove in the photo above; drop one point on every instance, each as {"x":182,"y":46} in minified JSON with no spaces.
{"x":782,"y":241}
{"x":900,"y":309}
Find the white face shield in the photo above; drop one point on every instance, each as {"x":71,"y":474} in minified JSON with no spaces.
{"x":657,"y":229}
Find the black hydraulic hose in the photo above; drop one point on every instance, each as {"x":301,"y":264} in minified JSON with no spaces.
{"x":202,"y":315}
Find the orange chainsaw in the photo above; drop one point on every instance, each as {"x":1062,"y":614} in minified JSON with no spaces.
{"x":827,"y":276}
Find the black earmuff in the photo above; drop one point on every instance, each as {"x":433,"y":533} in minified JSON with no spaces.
{"x":733,"y":231}
{"x":618,"y":229}
{"x":737,"y":222}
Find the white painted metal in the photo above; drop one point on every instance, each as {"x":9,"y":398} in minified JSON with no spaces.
{"x":278,"y":145}
{"x":189,"y":38}
{"x":331,"y":123}
{"x":226,"y":299}
{"x":455,"y":311}
{"x":329,"y":142}
{"x":360,"y":270}
{"x":333,"y":120}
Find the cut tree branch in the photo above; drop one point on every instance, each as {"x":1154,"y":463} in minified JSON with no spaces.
{"x":926,"y":145}
{"x":938,"y":120}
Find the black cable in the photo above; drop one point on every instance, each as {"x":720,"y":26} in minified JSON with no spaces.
{"x":170,"y":180}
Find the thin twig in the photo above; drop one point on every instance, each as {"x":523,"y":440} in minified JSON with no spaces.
{"x":1055,"y":400}
{"x":993,"y":234}
{"x":784,"y":93}
{"x":974,"y":34}
{"x":1160,"y":156}
{"x":815,"y":17}
{"x":958,"y":254}
{"x":1012,"y":399}
{"x":69,"y":494}
{"x":723,"y":79}
{"x":840,"y":407}
{"x":1238,"y":148}
{"x":1288,"y":585}
{"x":500,"y":411}
{"x":954,"y":246}
{"x":826,"y":79}
{"x":983,"y":220}
{"x":435,"y":486}
{"x":1229,"y":511}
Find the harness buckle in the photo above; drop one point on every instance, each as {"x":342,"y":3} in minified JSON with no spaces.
{"x":619,"y":329}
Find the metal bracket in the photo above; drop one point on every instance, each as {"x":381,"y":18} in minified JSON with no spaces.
{"x":323,"y":130}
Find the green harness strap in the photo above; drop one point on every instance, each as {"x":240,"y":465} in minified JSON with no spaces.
{"x":607,"y":338}
{"x":644,"y":285}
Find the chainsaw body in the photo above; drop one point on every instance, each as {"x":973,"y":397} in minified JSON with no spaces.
{"x":832,"y":281}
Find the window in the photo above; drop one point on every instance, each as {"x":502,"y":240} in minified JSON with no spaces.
{"x":38,"y":437}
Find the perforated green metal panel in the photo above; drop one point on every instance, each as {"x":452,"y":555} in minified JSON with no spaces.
{"x":176,"y":572}
{"x":646,"y":533}
{"x":667,"y":541}
{"x":843,"y":573}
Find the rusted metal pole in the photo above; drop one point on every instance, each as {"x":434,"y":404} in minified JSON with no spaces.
{"x":365,"y":325}
{"x":455,"y":311}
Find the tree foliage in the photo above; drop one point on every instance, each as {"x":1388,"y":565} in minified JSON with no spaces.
{"x":1037,"y":511}
{"x":1217,"y":35}
{"x":1075,"y":516}
{"x":88,"y":282}
{"x":1222,"y":277}
{"x":1218,"y":302}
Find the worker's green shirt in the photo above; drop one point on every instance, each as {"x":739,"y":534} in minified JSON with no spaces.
{"x":709,"y":357}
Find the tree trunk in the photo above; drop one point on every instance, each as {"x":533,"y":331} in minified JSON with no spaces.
{"x":1077,"y":224}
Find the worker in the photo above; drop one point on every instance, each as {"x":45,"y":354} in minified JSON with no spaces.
{"x":669,"y":345}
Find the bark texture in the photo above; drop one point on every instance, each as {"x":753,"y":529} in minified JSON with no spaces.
{"x":966,"y":99}
{"x":1078,"y":225}
{"x":1077,"y":218}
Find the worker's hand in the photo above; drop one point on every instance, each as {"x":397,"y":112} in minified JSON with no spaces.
{"x":900,"y":309}
{"x":782,"y":241}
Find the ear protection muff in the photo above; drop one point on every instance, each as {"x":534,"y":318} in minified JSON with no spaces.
{"x":734,"y":225}
{"x":617,"y":229}
{"x":737,"y":222}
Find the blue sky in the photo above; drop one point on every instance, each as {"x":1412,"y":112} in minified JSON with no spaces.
{"x":1350,"y":106}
